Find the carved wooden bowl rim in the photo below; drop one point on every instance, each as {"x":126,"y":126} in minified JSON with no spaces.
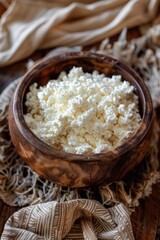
{"x":47,"y":149}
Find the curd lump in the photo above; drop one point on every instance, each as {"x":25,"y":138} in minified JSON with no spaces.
{"x":83,"y":112}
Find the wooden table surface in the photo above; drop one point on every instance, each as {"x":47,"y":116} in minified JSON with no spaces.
{"x":146,"y":217}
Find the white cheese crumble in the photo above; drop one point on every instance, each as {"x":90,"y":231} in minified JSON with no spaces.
{"x":83,"y":112}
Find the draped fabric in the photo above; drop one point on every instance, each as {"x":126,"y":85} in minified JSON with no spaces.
{"x":76,"y":219}
{"x":20,"y":186}
{"x":29,"y":25}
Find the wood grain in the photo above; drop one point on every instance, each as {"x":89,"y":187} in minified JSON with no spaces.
{"x":5,"y":212}
{"x":146,"y":217}
{"x":79,"y":170}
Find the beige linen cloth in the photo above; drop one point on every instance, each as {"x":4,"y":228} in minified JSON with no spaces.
{"x":28,"y":25}
{"x":58,"y":221}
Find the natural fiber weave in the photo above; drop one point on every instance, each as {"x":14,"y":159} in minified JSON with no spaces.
{"x":20,"y":186}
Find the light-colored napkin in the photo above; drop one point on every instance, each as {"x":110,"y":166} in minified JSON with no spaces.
{"x":28,"y":25}
{"x":58,"y":221}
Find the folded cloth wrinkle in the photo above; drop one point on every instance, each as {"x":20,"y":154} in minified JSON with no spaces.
{"x":30,"y":25}
{"x":53,"y":220}
{"x":104,"y":17}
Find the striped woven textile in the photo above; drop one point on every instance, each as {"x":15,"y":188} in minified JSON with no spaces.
{"x":76,"y":219}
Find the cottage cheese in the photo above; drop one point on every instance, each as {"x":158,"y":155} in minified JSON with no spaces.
{"x":83,"y":112}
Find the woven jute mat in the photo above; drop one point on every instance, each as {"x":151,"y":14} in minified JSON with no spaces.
{"x":21,"y":186}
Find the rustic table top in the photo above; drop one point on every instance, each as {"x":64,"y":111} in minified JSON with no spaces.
{"x":146,"y":217}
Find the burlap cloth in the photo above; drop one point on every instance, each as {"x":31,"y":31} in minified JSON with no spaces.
{"x":103,"y":211}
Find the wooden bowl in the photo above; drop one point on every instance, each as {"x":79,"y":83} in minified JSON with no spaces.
{"x":79,"y":170}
